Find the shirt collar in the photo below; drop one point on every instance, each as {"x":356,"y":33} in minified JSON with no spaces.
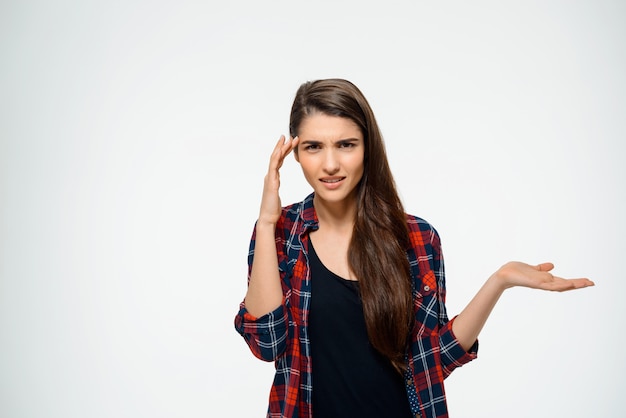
{"x":307,"y":213}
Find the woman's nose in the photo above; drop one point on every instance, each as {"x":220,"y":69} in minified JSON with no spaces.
{"x":331,"y":163}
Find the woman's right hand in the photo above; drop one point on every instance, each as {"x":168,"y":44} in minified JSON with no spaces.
{"x":270,"y":202}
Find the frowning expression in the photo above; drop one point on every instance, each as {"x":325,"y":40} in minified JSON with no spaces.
{"x":331,"y":153}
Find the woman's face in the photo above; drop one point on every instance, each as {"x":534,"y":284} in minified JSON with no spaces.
{"x":331,"y":153}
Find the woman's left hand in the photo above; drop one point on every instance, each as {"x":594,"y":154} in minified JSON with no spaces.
{"x":515,"y":273}
{"x":471,"y":320}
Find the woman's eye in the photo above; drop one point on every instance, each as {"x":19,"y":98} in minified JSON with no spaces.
{"x":346,"y":145}
{"x":312,"y":147}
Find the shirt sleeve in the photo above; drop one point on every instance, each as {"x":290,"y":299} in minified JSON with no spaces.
{"x":452,"y":353}
{"x":267,"y":335}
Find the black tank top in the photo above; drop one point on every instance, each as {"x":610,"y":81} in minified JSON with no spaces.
{"x":350,"y":378}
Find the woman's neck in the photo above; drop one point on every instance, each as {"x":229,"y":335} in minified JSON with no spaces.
{"x":336,"y":215}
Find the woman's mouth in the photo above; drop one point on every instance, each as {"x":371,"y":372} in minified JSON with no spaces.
{"x":332,"y":182}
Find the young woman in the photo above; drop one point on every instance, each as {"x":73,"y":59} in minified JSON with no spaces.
{"x":346,"y":292}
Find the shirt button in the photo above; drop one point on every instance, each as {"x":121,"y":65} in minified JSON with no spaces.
{"x":426,"y":288}
{"x":418,"y":414}
{"x":409,"y":382}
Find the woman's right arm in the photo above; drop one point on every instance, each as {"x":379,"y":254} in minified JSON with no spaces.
{"x":264,"y":288}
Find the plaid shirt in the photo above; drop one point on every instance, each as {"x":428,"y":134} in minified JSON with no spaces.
{"x":282,"y":335}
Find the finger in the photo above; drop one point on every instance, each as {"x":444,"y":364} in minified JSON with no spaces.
{"x":559,"y":284}
{"x":286,"y":149}
{"x":556,"y":285}
{"x":545,"y":267}
{"x":278,"y":146}
{"x":294,"y":142}
{"x":276,"y":157}
{"x":289,"y":145}
{"x":580,"y":283}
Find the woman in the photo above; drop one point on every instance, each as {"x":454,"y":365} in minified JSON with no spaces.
{"x":346,"y":292}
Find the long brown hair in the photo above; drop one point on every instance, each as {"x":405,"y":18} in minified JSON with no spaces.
{"x":377,"y":252}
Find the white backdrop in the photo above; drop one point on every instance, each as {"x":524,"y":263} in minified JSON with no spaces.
{"x":134,"y":137}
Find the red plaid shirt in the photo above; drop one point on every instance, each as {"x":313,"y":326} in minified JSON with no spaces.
{"x":282,"y":335}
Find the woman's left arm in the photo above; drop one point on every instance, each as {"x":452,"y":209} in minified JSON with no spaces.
{"x":468,"y":324}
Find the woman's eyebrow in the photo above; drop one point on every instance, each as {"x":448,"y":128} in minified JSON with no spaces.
{"x":339,"y":141}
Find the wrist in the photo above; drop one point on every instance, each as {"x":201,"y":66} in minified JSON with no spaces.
{"x":498,"y":282}
{"x":265,"y":224}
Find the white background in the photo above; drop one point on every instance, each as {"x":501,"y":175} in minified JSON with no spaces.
{"x":134,"y":136}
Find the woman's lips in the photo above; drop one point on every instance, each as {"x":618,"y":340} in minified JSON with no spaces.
{"x":332,"y":182}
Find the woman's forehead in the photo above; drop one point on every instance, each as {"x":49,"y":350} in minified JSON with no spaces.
{"x":322,"y":127}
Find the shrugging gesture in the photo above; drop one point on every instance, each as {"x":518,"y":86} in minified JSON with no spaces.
{"x":361,"y":329}
{"x":470,"y":322}
{"x":537,"y":277}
